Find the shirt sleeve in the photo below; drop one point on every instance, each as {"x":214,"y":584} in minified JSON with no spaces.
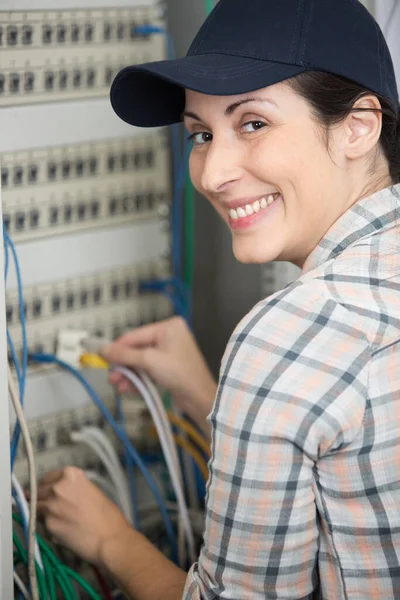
{"x":292,"y":391}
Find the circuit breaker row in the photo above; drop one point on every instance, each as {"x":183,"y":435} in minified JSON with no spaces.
{"x":44,"y":29}
{"x":64,"y":189}
{"x":64,"y":55}
{"x":50,"y":436}
{"x":106,"y":304}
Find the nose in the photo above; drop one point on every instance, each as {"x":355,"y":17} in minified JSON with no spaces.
{"x":221,"y":168}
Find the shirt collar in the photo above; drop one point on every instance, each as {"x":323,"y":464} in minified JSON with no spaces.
{"x":365,"y":217}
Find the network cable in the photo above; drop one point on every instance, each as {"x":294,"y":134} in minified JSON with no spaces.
{"x":32,"y":484}
{"x":129,"y":464}
{"x":88,"y":437}
{"x":153,"y":401}
{"x":120,"y":433}
{"x":21,"y":370}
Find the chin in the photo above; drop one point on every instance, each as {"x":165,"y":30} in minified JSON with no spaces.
{"x":249,"y":254}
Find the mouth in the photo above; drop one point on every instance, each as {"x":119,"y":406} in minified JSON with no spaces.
{"x":247,"y":215}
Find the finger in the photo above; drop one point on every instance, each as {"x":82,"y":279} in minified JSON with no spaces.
{"x":115,"y":378}
{"x":52,"y":477}
{"x":45,"y":491}
{"x":141,"y":336}
{"x":46,"y":508}
{"x":119,"y":354}
{"x":121,"y":384}
{"x":125,"y":387}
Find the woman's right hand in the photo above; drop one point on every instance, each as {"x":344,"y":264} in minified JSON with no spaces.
{"x":169,"y":354}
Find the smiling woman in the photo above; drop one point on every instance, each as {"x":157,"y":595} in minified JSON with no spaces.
{"x":293,"y":112}
{"x":264,"y":165}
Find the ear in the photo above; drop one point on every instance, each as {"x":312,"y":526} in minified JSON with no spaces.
{"x":363,"y":127}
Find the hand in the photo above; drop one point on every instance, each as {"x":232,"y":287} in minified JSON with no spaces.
{"x":78,"y":514}
{"x":168,"y":352}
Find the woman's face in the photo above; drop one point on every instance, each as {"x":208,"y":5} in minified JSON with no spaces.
{"x":262,"y":162}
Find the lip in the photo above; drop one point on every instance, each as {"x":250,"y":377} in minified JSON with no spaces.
{"x":247,"y":222}
{"x":243,"y":201}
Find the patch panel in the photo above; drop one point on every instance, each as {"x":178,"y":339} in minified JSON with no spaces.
{"x":106,"y":304}
{"x":65,"y":189}
{"x":51,"y":436}
{"x":63,"y":55}
{"x":49,"y":29}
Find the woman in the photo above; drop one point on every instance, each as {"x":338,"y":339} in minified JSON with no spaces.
{"x":293,"y":111}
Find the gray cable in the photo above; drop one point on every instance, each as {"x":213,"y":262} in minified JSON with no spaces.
{"x":32,"y":483}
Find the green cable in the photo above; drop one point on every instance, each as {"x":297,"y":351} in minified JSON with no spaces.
{"x":209,"y":4}
{"x":84,"y":584}
{"x":59,"y":573}
{"x":188,"y":270}
{"x":62,"y":572}
{"x":24,"y":556}
{"x":63,"y":584}
{"x":48,"y":572}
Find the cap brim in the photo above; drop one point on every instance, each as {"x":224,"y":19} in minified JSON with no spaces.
{"x":153,"y":94}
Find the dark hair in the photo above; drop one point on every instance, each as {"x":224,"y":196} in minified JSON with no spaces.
{"x":333,"y":97}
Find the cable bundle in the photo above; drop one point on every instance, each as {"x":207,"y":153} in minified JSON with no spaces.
{"x":54,"y":575}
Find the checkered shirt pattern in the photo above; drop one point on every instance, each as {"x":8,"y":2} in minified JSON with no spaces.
{"x":303,"y":498}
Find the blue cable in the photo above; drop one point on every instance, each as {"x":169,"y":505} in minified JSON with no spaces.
{"x":5,"y":245}
{"x":130,"y":467}
{"x":180,"y":298}
{"x":21,"y":512}
{"x":22,"y":377}
{"x":120,"y":433}
{"x":179,"y":162}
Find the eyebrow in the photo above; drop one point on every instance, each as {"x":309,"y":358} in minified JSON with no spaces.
{"x":231,"y":108}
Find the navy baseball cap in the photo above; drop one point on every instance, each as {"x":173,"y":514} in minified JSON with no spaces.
{"x":246,"y":45}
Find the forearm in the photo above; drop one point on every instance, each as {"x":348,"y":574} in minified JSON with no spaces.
{"x":141,"y":571}
{"x":199,"y":405}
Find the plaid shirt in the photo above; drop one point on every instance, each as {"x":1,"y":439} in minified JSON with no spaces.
{"x":304,"y":490}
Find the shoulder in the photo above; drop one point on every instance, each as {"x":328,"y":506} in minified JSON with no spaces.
{"x":302,"y":359}
{"x":304,"y":309}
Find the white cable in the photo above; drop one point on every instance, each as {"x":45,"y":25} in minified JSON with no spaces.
{"x":164,"y":417}
{"x":164,"y":431}
{"x":84,"y":438}
{"x":188,"y":467}
{"x":32,"y":483}
{"x":101,"y":438}
{"x":105,"y":485}
{"x":21,"y":586}
{"x":26,"y":513}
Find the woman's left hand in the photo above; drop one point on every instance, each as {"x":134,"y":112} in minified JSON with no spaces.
{"x":78,"y":514}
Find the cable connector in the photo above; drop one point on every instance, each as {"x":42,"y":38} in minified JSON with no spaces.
{"x":93,"y":345}
{"x":93,"y":361}
{"x":70,"y":346}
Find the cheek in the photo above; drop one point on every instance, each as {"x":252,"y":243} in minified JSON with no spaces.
{"x":286,"y":158}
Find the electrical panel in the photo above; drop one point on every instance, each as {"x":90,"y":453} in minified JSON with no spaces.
{"x":65,"y":55}
{"x":86,"y":202}
{"x":64,"y":189}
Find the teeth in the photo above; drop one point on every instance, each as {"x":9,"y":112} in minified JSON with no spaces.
{"x":250,"y":209}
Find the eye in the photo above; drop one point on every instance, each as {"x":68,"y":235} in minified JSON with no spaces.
{"x":252,"y":126}
{"x":200,"y":138}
